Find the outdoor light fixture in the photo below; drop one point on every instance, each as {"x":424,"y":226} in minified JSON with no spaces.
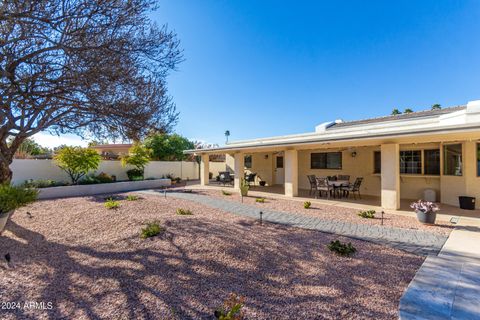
{"x":266,"y":156}
{"x":354,"y":154}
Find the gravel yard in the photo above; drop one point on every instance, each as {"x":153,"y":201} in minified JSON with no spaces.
{"x":90,"y":263}
{"x":333,"y":212}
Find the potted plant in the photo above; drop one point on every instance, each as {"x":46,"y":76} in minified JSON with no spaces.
{"x":244,"y":187}
{"x":426,"y":211}
{"x":12,"y":198}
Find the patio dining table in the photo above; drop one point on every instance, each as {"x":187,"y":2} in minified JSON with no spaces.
{"x":337,"y":184}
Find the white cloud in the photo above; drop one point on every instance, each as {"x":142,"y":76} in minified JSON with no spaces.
{"x":51,"y":141}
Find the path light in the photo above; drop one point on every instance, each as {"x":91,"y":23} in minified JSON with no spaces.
{"x":261,"y":217}
{"x":383,"y":212}
{"x":165,"y":192}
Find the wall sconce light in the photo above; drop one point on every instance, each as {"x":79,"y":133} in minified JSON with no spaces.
{"x":354,"y":154}
{"x":266,"y":156}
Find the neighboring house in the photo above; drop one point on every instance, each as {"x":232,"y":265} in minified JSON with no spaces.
{"x":398,"y":156}
{"x":112,"y":151}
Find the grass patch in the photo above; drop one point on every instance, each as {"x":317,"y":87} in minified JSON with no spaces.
{"x":111,"y":204}
{"x":132,"y":197}
{"x":184,"y":212}
{"x":226,"y":193}
{"x":260,"y":200}
{"x":342,"y":249}
{"x":152,"y":229}
{"x":307,"y":204}
{"x":369,"y":214}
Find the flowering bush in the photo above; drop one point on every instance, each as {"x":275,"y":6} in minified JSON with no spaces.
{"x":424,"y":206}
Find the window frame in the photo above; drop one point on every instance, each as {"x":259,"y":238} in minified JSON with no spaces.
{"x":325,"y":160}
{"x":250,"y":162}
{"x":424,"y":164}
{"x":418,"y":167}
{"x":276,"y":162}
{"x":445,"y":162}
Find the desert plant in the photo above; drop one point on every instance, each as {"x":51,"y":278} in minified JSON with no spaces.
{"x":111,"y":204}
{"x":132,"y":197}
{"x":244,"y":187}
{"x":226,"y":193}
{"x":260,"y":200}
{"x":13,"y":197}
{"x":184,"y":212}
{"x":343,"y":249}
{"x":152,"y":229}
{"x":367,"y":214}
{"x":77,"y":161}
{"x":138,"y":157}
{"x":307,"y":204}
{"x":231,"y":308}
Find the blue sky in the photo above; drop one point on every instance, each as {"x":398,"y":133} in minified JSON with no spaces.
{"x":265,"y":68}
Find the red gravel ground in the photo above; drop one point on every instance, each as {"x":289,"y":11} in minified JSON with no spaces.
{"x":90,"y":263}
{"x":333,"y":212}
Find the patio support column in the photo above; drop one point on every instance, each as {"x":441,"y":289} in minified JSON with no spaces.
{"x":204,"y":169}
{"x":239,"y":167}
{"x":291,"y":173}
{"x":390,"y":176}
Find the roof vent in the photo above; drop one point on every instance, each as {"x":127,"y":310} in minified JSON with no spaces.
{"x":324,"y":126}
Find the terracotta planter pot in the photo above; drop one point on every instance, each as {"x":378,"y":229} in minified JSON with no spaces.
{"x":426,"y":217}
{"x":3,"y":219}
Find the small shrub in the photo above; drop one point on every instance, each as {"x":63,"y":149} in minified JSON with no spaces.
{"x":104,"y":178}
{"x":231,"y":308}
{"x":369,"y":214}
{"x":135,"y":174}
{"x":152,"y":229}
{"x":89,"y":180}
{"x":343,"y":249}
{"x":226,"y":193}
{"x":111,"y":204}
{"x":307,"y":204}
{"x":132,"y":197}
{"x":260,"y":200}
{"x":40,"y":183}
{"x":178,"y":179}
{"x":12,"y":197}
{"x":184,"y":212}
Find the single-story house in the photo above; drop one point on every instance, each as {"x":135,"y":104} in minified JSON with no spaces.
{"x":398,"y":156}
{"x":112,"y":151}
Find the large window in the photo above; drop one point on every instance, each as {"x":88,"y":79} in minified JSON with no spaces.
{"x":326,"y":160}
{"x":411,"y":162}
{"x":431,"y":160}
{"x":452,"y":159}
{"x":377,"y":162}
{"x":248,"y":162}
{"x":279,"y":162}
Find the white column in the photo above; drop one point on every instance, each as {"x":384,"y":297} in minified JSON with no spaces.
{"x":390,"y":176}
{"x":239,"y":167}
{"x":204,"y":169}
{"x":291,"y":173}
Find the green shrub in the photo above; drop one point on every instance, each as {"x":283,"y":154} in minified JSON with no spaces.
{"x":307,"y":204}
{"x":369,"y":214}
{"x":12,"y":197}
{"x":343,"y":249}
{"x":104,"y":178}
{"x":41,"y":183}
{"x":260,"y":200}
{"x":231,"y":308}
{"x":138,"y":156}
{"x":132,"y":197}
{"x":77,"y":161}
{"x":111,"y":204}
{"x":226,"y":193}
{"x":184,"y":212}
{"x":89,"y":180}
{"x":135,"y":174}
{"x":152,"y":229}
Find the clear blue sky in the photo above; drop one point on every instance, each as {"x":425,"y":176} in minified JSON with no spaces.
{"x":264,"y":68}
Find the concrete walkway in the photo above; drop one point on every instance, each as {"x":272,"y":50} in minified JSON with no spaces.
{"x":415,"y":241}
{"x":447,"y":286}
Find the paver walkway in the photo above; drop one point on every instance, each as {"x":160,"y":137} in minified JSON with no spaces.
{"x":415,"y":241}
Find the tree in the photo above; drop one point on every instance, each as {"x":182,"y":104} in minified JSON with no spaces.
{"x":436,"y":106}
{"x":168,"y":147}
{"x":408,"y":110}
{"x":82,"y":66}
{"x":138,"y":156}
{"x":30,"y":148}
{"x":227,"y":134}
{"x":77,"y":161}
{"x":396,"y":112}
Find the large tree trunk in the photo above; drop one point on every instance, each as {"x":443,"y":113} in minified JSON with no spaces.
{"x":5,"y":172}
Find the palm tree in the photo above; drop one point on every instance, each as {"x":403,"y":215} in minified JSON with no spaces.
{"x":408,"y":110}
{"x":227,"y":134}
{"x":436,"y":106}
{"x":395,"y":112}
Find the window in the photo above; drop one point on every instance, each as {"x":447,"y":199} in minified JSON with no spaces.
{"x":326,"y":160}
{"x":377,"y":162}
{"x":452,"y":159}
{"x":431,"y":159}
{"x":248,"y":162}
{"x":279,"y":162}
{"x":411,"y":162}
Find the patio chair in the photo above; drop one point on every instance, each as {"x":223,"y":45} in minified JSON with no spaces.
{"x":344,"y":177}
{"x":313,"y":183}
{"x":323,"y":186}
{"x":355,"y":187}
{"x":225,"y":177}
{"x":250,"y":178}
